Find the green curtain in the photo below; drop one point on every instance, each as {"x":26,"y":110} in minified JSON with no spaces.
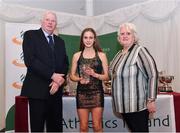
{"x":108,"y":43}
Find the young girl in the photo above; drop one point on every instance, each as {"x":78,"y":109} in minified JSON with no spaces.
{"x":89,"y":68}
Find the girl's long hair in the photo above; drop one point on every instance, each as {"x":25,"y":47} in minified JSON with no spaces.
{"x":96,"y":45}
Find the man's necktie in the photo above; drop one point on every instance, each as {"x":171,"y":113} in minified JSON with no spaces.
{"x":51,"y":43}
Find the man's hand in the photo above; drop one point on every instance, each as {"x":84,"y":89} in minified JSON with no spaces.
{"x":54,"y":87}
{"x":58,"y":78}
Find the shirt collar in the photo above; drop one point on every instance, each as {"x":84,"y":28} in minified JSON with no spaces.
{"x":130,"y":49}
{"x":46,"y":34}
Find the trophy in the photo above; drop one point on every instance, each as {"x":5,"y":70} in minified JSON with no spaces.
{"x":83,"y":74}
{"x":69,"y":87}
{"x":107,"y":87}
{"x":165,"y":83}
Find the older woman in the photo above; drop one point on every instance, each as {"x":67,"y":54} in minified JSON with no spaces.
{"x":134,"y":80}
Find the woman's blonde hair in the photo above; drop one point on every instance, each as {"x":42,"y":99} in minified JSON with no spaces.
{"x":131,"y":27}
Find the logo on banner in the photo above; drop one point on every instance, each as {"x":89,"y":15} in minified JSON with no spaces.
{"x":18,"y":84}
{"x":19,"y":62}
{"x":17,"y":40}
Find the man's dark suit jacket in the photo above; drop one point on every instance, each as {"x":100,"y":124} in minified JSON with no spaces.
{"x":41,"y":63}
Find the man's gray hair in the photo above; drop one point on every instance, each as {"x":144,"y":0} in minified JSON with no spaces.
{"x":48,"y":12}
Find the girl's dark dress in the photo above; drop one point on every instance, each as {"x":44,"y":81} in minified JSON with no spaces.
{"x":90,"y":95}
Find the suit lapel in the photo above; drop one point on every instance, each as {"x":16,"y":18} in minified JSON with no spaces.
{"x":44,"y":41}
{"x":41,"y":34}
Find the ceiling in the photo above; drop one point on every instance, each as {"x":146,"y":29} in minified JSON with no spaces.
{"x":76,"y":6}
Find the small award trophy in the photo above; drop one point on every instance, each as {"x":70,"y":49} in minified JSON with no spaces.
{"x":83,"y":73}
{"x":165,"y":83}
{"x":107,"y":87}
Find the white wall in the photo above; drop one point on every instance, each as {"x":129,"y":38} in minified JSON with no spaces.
{"x":2,"y":81}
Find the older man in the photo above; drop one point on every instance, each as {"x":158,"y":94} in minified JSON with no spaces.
{"x":47,"y":65}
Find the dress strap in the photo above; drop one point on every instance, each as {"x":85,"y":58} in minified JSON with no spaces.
{"x":78,"y":63}
{"x":97,"y":55}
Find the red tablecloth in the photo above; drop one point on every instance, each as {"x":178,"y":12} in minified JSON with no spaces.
{"x":21,"y":114}
{"x":176,"y":97}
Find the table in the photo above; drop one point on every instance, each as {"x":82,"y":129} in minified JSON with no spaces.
{"x":163,"y":120}
{"x":177,"y":110}
{"x":176,"y":98}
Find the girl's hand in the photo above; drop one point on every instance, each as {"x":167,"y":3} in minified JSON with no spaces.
{"x":90,"y":71}
{"x":83,"y":81}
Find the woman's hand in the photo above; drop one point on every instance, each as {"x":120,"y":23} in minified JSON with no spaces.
{"x":151,"y":106}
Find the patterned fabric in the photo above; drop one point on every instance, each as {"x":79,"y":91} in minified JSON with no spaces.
{"x":134,"y":79}
{"x":90,"y":95}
